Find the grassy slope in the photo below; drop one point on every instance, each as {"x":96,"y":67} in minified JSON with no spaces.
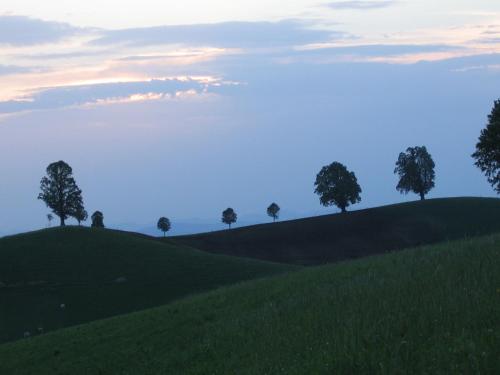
{"x":430,"y":310}
{"x":79,"y":267}
{"x":372,"y":231}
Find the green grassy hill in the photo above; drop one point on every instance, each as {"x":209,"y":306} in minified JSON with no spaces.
{"x":433,"y":310}
{"x":101,"y":273}
{"x":330,"y":238}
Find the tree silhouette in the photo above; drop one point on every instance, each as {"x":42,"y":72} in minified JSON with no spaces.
{"x":229,"y":216}
{"x":487,"y":153}
{"x":335,"y":185}
{"x":81,"y":215}
{"x":60,"y":192}
{"x":97,"y":220}
{"x":273,"y":211}
{"x":415,"y":168}
{"x":163,"y":225}
{"x":50,"y":217}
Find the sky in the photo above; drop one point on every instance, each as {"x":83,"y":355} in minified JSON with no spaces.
{"x":182,"y":109}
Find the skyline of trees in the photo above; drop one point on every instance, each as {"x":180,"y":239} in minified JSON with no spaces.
{"x":334,"y":184}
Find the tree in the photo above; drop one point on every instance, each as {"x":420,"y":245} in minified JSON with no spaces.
{"x":50,"y":217}
{"x":415,"y":168}
{"x":487,"y":153}
{"x":97,"y":220}
{"x":81,"y":215}
{"x":229,"y":216}
{"x":60,"y":192}
{"x":273,"y":211}
{"x":163,"y":225}
{"x":335,"y":185}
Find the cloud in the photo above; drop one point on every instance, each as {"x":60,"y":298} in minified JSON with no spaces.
{"x":111,"y":93}
{"x":12,"y":69}
{"x":226,"y":34}
{"x":361,"y":4}
{"x":24,"y":31}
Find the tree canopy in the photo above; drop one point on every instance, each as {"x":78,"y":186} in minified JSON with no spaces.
{"x":163,"y":225}
{"x":487,"y":153}
{"x":337,"y":186}
{"x":97,"y":220}
{"x":273,"y":211}
{"x":60,"y":192}
{"x":229,"y":216}
{"x":415,"y":169}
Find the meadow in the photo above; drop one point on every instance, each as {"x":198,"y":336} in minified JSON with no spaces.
{"x":433,"y":309}
{"x":98,"y":273}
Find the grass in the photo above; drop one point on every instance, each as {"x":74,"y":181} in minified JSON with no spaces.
{"x":433,"y":309}
{"x":332,"y":238}
{"x":101,"y":273}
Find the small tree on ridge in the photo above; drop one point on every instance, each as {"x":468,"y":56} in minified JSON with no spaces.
{"x":81,"y":215}
{"x":163,"y":225}
{"x":273,"y":211}
{"x":229,"y":216}
{"x":97,"y":220}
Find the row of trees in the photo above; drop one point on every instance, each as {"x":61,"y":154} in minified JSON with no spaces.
{"x":334,"y":184}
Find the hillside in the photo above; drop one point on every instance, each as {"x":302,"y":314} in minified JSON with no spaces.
{"x":331,"y":238}
{"x":428,"y":310}
{"x":100,"y":273}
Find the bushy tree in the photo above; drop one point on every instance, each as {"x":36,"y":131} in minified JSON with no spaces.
{"x":335,"y":185}
{"x":60,"y":192}
{"x":163,"y":225}
{"x":487,"y":153}
{"x":97,"y":220}
{"x":229,"y":216}
{"x":81,"y":215}
{"x":415,"y":169}
{"x":273,"y":211}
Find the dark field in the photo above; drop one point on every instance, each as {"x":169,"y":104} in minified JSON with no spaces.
{"x":356,"y":234}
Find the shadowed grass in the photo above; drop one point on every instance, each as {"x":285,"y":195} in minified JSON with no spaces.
{"x":330,"y":238}
{"x":434,"y":309}
{"x":99,"y":273}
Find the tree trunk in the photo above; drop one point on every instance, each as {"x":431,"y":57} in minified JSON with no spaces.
{"x":343,"y":210}
{"x":422,"y":196}
{"x":62,"y":221}
{"x":164,"y":234}
{"x":229,"y":225}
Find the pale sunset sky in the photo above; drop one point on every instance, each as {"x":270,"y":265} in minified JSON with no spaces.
{"x":184,"y":108}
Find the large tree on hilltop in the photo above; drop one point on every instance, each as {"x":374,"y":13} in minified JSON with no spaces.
{"x":487,"y":153}
{"x":335,"y":185}
{"x":415,"y":169}
{"x":60,"y":192}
